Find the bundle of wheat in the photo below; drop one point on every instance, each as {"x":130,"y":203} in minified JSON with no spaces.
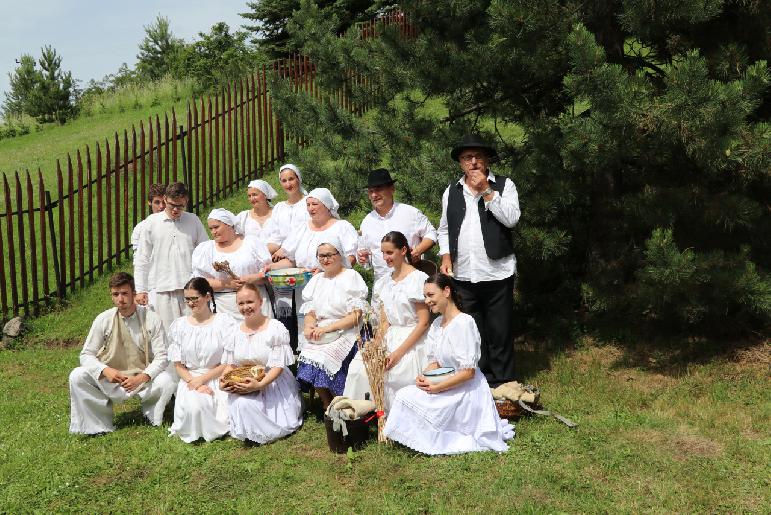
{"x":224,"y":266}
{"x":374,"y":354}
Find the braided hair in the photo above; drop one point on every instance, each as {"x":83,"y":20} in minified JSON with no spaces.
{"x":445,"y":281}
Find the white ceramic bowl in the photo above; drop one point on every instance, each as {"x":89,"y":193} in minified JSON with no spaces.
{"x":439,"y":374}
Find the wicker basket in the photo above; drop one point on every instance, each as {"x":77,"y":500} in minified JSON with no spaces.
{"x":238,"y":374}
{"x":507,"y":409}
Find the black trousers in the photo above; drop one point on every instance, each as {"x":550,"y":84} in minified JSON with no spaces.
{"x":491,"y":304}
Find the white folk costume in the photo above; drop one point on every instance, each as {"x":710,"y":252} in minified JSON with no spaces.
{"x":132,"y":345}
{"x":199,"y":347}
{"x":461,"y":419}
{"x":248,"y":226}
{"x":406,"y":219}
{"x":165,"y":254}
{"x":249,"y":258}
{"x":276,"y":411}
{"x":136,"y":236}
{"x":330,"y":299}
{"x":398,"y":302}
{"x":288,"y":216}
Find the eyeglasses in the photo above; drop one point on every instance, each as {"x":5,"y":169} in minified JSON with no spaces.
{"x":192,"y":299}
{"x":328,"y":256}
{"x":467,"y":158}
{"x":176,"y":207}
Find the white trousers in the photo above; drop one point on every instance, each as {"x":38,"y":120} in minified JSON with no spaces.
{"x":169,"y":306}
{"x":91,"y":400}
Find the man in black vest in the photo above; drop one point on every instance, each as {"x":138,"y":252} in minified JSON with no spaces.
{"x":478,"y":212}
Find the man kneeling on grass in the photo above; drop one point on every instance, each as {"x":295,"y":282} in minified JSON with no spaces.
{"x":124,"y":355}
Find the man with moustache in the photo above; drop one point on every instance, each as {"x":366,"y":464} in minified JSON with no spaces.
{"x":387,"y":216}
{"x":475,"y":245}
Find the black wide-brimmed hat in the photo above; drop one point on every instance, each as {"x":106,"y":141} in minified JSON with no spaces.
{"x":379,"y":177}
{"x":473,"y":141}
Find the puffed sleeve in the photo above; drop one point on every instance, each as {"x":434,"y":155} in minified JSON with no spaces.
{"x":467,"y":343}
{"x":281,"y":354}
{"x":260,"y":253}
{"x":174,"y":352}
{"x":356,"y":291}
{"x":229,"y":346}
{"x":348,"y":237}
{"x":308,"y":294}
{"x":202,"y":259}
{"x":414,"y":287}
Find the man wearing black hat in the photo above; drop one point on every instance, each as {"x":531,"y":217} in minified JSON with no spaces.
{"x":387,"y":216}
{"x":478,"y":212}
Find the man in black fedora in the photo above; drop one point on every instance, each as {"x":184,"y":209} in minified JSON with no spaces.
{"x":387,"y":216}
{"x":475,"y":244}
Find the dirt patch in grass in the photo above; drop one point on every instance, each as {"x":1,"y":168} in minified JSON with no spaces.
{"x":67,"y":343}
{"x":758,"y":354}
{"x":681,"y":445}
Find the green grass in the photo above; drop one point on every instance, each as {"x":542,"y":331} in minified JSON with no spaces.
{"x":684,"y":439}
{"x":104,"y":116}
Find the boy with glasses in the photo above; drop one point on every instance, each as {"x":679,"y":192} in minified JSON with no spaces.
{"x":165,"y":254}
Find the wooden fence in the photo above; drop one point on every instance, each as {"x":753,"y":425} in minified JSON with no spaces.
{"x":54,"y":241}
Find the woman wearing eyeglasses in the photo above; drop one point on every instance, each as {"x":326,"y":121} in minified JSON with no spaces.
{"x":246,"y":257}
{"x":195,"y":348}
{"x":299,"y":249}
{"x":332,"y":304}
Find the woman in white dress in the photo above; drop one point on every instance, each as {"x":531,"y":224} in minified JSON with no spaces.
{"x":333,"y":303}
{"x":299,"y":249}
{"x":397,"y":301}
{"x":456,"y":414}
{"x":292,"y":212}
{"x":246,"y":258}
{"x":195,"y":348}
{"x":271,"y":408}
{"x":258,"y":222}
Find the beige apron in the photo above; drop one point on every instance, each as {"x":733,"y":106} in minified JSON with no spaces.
{"x":121,"y":353}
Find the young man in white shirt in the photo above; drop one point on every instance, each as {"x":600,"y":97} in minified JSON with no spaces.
{"x":124,"y":355}
{"x":156,"y":204}
{"x":387,"y":216}
{"x":475,"y":243}
{"x":165,"y":253}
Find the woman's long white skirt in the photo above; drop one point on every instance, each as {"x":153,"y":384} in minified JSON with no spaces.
{"x":267,"y":415}
{"x":200,"y":415}
{"x":462,"y":419}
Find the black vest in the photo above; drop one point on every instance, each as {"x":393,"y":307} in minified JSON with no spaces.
{"x":496,"y":236}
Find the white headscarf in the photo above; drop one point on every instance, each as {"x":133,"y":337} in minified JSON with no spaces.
{"x":224,"y":216}
{"x":324,"y":196}
{"x":264,"y":187}
{"x":338,"y":245}
{"x":290,"y":166}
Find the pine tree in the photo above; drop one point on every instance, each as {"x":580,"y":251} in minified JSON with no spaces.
{"x":159,"y":51}
{"x":52,"y":97}
{"x":637,"y":134}
{"x":22,"y":82}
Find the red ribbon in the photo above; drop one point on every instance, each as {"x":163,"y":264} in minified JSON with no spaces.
{"x":378,"y":414}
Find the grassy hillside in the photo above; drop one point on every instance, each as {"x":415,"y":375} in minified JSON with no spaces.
{"x":101,"y":118}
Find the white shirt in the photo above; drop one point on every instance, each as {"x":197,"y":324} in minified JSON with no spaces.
{"x":248,"y":226}
{"x":404,"y":218}
{"x":101,"y":329}
{"x":165,"y":251}
{"x":302,"y":244}
{"x":472,"y":263}
{"x":287,"y":217}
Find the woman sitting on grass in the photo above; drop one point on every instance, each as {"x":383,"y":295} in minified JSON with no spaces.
{"x":332,"y":303}
{"x":456,"y":414}
{"x":195,"y":348}
{"x":270,"y":408}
